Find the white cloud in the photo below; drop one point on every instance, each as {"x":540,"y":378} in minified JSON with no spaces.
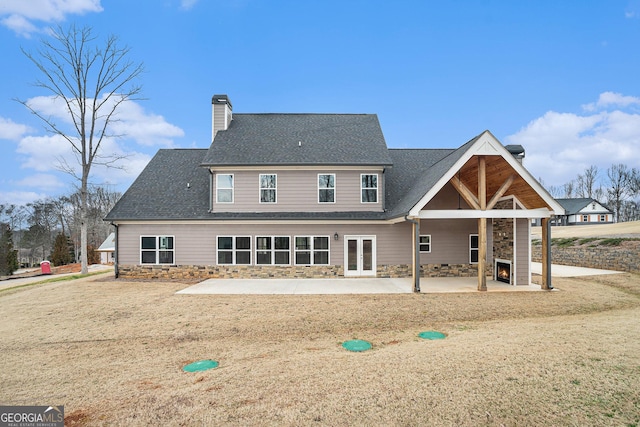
{"x":11,"y":130}
{"x":611,"y":99}
{"x":42,"y":181}
{"x":131,"y":121}
{"x":559,"y":146}
{"x":19,"y":14}
{"x":140,"y":133}
{"x":20,"y":197}
{"x":144,"y":128}
{"x":187,"y":4}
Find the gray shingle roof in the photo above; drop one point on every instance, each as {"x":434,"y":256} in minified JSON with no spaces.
{"x":415,"y":172}
{"x":573,"y":206}
{"x":161,"y":192}
{"x":299,"y":139}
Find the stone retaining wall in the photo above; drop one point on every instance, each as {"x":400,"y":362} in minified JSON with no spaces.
{"x":625,"y":257}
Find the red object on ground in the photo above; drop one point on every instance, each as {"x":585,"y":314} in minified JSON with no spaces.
{"x":45,"y":267}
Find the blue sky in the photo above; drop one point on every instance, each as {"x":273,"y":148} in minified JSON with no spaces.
{"x":560,"y":78}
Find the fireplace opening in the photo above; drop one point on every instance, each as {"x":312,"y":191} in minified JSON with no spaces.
{"x":503,"y":271}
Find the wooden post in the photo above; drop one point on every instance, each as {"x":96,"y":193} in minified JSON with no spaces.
{"x":482,"y":224}
{"x":546,"y":254}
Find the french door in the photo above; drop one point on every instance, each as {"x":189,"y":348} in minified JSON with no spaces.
{"x":360,"y":255}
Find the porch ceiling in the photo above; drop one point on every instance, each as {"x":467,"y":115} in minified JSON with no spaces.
{"x":497,"y":172}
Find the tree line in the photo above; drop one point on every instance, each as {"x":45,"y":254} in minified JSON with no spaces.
{"x":50,"y":229}
{"x":618,"y":188}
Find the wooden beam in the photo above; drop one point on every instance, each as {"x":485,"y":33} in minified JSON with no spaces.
{"x":482,"y":182}
{"x":482,"y":224}
{"x":482,"y":254}
{"x":466,"y":194}
{"x":503,"y":189}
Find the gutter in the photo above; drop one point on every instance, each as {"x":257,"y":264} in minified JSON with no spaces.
{"x":115,"y":252}
{"x":416,"y":254}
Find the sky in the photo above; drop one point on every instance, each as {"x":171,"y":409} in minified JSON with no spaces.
{"x":558,"y":77}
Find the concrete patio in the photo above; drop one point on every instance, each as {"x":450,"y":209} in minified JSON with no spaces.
{"x":342,"y":285}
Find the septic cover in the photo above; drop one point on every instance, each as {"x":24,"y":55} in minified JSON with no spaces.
{"x":432,"y":335}
{"x":357,"y":345}
{"x":200,"y":365}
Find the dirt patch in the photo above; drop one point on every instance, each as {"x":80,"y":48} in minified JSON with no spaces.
{"x":112,"y":352}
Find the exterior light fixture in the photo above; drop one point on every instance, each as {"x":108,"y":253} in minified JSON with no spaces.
{"x":335,"y":236}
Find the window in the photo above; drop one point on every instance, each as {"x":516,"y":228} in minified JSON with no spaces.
{"x":224,"y":188}
{"x":369,"y":188}
{"x":312,"y":250}
{"x":473,"y":248}
{"x":234,"y":250}
{"x":268,"y":188}
{"x":425,"y":243}
{"x":585,"y":218}
{"x":273,"y":250}
{"x":156,"y":250}
{"x":603,"y":218}
{"x":326,"y":188}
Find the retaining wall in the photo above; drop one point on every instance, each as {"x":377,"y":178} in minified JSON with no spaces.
{"x":625,"y":257}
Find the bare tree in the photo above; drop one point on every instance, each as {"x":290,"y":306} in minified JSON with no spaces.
{"x":620,"y":186}
{"x":586,"y":183}
{"x":93,"y":80}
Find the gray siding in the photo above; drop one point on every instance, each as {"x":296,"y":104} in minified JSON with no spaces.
{"x":449,"y":240}
{"x":195,"y":244}
{"x":297,"y":191}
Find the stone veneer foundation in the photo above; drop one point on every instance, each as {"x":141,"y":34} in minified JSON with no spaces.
{"x":176,"y":272}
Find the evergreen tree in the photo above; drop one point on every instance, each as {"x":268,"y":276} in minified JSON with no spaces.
{"x":61,"y":254}
{"x":8,"y":256}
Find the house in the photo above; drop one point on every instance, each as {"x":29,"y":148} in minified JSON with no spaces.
{"x":321,"y":195}
{"x":107,"y":250}
{"x":584,"y":211}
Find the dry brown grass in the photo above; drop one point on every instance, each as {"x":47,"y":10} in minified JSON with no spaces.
{"x":112,"y":352}
{"x":621,"y":229}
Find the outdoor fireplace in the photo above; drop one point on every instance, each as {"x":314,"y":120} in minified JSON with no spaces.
{"x":503,"y":271}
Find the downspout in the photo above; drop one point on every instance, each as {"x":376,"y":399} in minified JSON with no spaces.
{"x":115,"y":252}
{"x":416,"y":253}
{"x":210,"y":190}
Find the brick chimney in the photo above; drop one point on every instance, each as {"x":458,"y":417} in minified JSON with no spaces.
{"x":221,"y":114}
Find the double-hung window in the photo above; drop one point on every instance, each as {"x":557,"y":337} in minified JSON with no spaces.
{"x":326,"y":188}
{"x":473,"y":248}
{"x":312,"y":250}
{"x":224,"y":188}
{"x":425,"y":243}
{"x":273,"y":250}
{"x":268,"y":188}
{"x":234,"y":250}
{"x":156,"y":249}
{"x":369,"y":188}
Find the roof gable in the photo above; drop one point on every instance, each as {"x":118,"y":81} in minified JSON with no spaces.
{"x":577,"y":205}
{"x":299,"y":139}
{"x":484,"y":144}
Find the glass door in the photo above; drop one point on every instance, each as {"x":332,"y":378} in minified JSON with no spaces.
{"x":360,"y":256}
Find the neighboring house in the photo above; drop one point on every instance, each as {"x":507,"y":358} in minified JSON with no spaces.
{"x":584,"y":211}
{"x":107,"y":250}
{"x":321,"y":195}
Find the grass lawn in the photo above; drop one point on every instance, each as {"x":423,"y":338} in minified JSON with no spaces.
{"x":112,"y":352}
